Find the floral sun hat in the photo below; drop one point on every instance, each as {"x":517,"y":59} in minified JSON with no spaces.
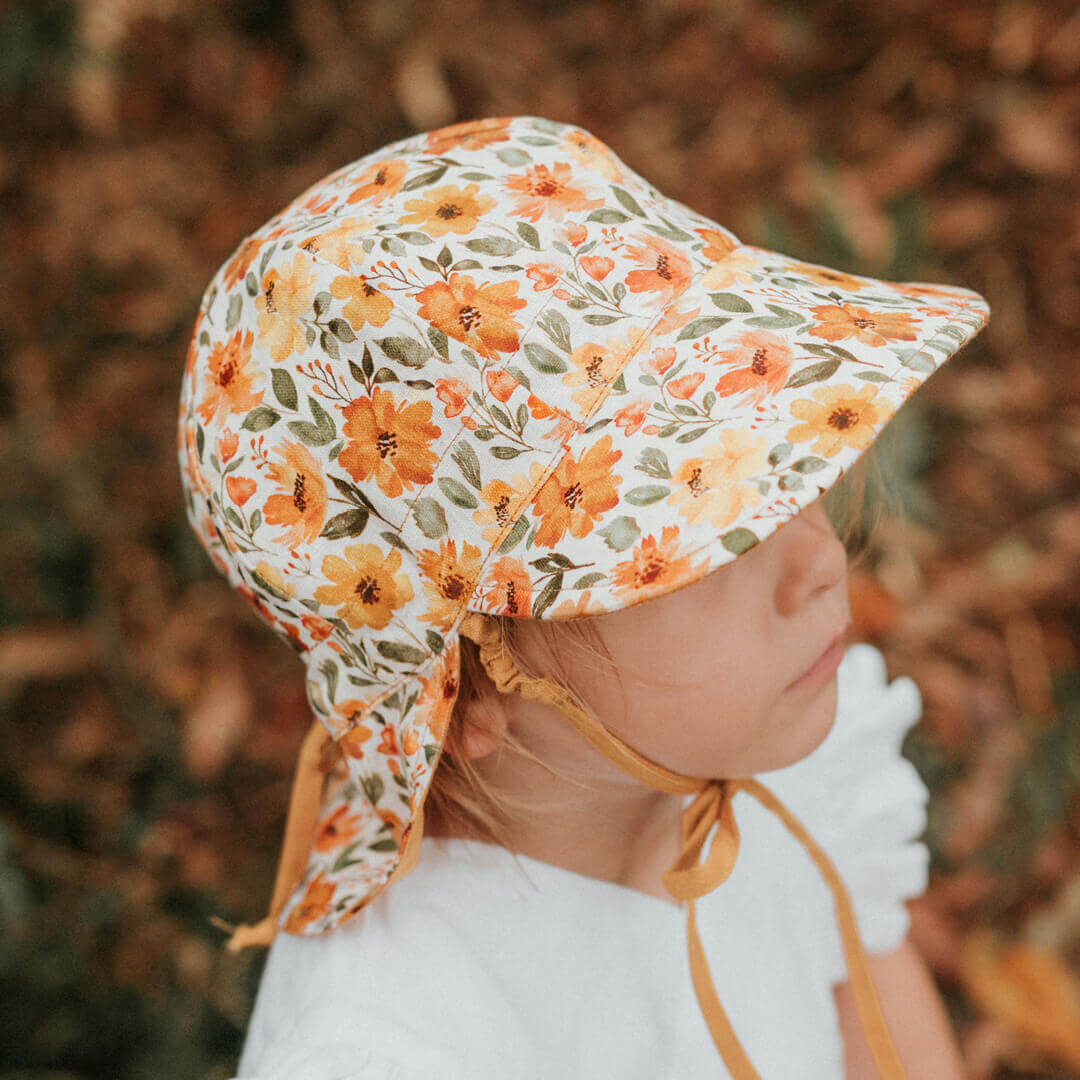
{"x":490,"y":368}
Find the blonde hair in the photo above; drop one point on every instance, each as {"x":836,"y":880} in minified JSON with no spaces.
{"x":460,"y":798}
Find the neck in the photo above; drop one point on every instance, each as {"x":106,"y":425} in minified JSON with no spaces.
{"x":574,"y":809}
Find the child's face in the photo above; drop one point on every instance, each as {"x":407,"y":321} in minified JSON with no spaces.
{"x":729,"y":647}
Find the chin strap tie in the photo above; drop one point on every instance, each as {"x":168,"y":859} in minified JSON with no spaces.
{"x":691,"y":876}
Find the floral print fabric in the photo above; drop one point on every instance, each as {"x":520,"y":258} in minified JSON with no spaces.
{"x":491,"y":368}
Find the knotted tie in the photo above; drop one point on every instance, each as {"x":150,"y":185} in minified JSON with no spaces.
{"x":690,"y":877}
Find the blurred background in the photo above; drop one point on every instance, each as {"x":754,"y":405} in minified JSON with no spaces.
{"x":149,"y":723}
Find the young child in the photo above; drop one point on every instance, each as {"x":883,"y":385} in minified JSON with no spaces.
{"x":488,"y":384}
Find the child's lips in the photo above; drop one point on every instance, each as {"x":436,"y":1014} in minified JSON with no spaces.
{"x":824,"y":665}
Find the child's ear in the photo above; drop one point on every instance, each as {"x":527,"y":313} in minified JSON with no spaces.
{"x":484,"y":728}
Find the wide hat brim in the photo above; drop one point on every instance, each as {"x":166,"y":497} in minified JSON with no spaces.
{"x":590,"y":397}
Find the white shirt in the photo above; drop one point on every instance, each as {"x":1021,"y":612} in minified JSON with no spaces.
{"x":484,"y":965}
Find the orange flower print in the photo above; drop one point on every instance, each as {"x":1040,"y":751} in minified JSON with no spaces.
{"x":501,"y":384}
{"x":240,"y":488}
{"x":711,"y":487}
{"x":366,"y":304}
{"x":389,"y":441}
{"x":318,"y":629}
{"x":665,"y":272}
{"x":436,"y":700}
{"x":367,"y":587}
{"x":511,"y":585}
{"x":314,"y":904}
{"x":448,"y":209}
{"x":301,"y":503}
{"x":824,"y":275}
{"x":449,"y":580}
{"x":837,"y":322}
{"x":655,"y":568}
{"x":379,"y":181}
{"x":388,"y":743}
{"x":761,"y":361}
{"x":631,"y":417}
{"x":243,"y":257}
{"x":717,"y":244}
{"x":593,"y":154}
{"x":504,"y":504}
{"x":337,"y":245}
{"x":674,"y":318}
{"x":660,"y":361}
{"x":543,"y":192}
{"x":284,"y":302}
{"x":230,"y":379}
{"x":736,"y":268}
{"x":193,"y":469}
{"x":577,"y":493}
{"x":469,"y":134}
{"x":480,"y":317}
{"x":841,"y":416}
{"x":564,"y":425}
{"x":453,"y":393}
{"x":685,"y":386}
{"x":353,"y":739}
{"x":338,"y":829}
{"x":596,"y":266}
{"x":544,"y":275}
{"x":595,"y":368}
{"x":227,"y":445}
{"x":575,"y":234}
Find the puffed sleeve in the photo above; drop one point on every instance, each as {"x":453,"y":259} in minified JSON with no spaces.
{"x":863,"y":801}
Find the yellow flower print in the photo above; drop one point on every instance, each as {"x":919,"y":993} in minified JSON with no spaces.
{"x":284,"y":301}
{"x":450,"y":208}
{"x":593,"y":154}
{"x":824,"y":275}
{"x":711,"y":486}
{"x":449,"y":580}
{"x":734,"y":269}
{"x":366,"y":304}
{"x":841,"y":416}
{"x":595,"y":367}
{"x":338,"y":245}
{"x":368,"y":585}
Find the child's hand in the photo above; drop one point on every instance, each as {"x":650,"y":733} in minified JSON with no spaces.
{"x":262,"y":933}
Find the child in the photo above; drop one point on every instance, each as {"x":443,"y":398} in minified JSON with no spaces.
{"x":487,"y":383}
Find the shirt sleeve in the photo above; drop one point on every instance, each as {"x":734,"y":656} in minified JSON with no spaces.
{"x":863,"y":802}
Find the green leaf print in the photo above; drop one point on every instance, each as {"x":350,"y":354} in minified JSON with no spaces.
{"x":813,"y":373}
{"x":544,"y":360}
{"x":401,"y":652}
{"x":284,"y":388}
{"x":458,"y":493}
{"x":347,"y":523}
{"x":405,"y":350}
{"x":260,"y":418}
{"x":430,"y":517}
{"x":620,"y":533}
{"x":739,"y":540}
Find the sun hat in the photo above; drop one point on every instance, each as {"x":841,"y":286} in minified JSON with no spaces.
{"x":491,"y":370}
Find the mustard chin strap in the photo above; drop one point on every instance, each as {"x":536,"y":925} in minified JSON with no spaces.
{"x":690,"y":878}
